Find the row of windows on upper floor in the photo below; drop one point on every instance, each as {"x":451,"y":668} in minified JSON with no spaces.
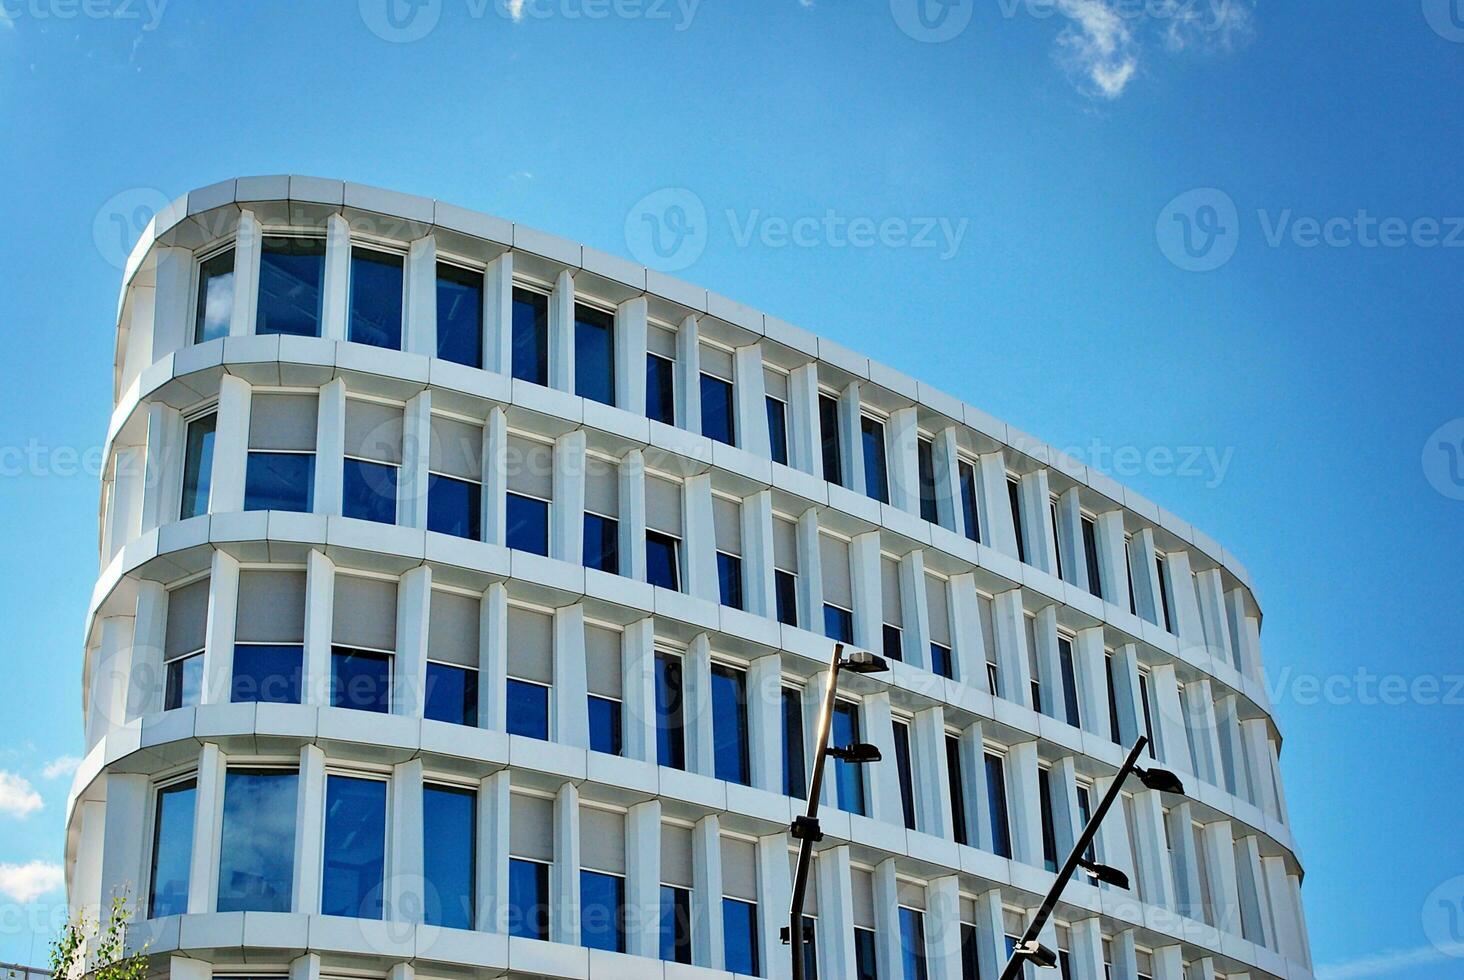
{"x":291,"y":295}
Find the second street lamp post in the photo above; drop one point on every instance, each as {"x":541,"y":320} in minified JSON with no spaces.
{"x":1028,"y":948}
{"x":805,"y":829}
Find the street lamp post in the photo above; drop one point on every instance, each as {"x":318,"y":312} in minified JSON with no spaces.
{"x":1028,"y":948}
{"x":805,"y":829}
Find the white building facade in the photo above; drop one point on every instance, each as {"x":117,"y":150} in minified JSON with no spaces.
{"x":466,"y":595}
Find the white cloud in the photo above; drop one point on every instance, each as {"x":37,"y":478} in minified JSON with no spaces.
{"x":17,"y":797}
{"x":1389,"y":963}
{"x":1213,"y":24}
{"x":516,"y":10}
{"x":1099,"y":46}
{"x":60,"y":766}
{"x":27,"y":882}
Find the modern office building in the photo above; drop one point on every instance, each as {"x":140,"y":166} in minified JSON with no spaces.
{"x":466,"y":594}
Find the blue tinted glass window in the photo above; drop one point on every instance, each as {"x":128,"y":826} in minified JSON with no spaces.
{"x":729,"y":724}
{"x":876,"y":479}
{"x":528,"y":524}
{"x":1069,"y":680}
{"x":958,"y":788}
{"x":594,"y":354}
{"x":785,"y":590}
{"x":291,"y":273}
{"x":354,"y":854}
{"x":454,"y":507}
{"x":838,"y":624}
{"x":848,"y":778}
{"x":1049,"y":829}
{"x":452,"y":694}
{"x":729,"y":579}
{"x":795,"y":779}
{"x":925,"y":463}
{"x":739,"y":932}
{"x":184,"y":682}
{"x":369,"y":491}
{"x":172,"y":851}
{"x":940,"y":660}
{"x":279,"y":481}
{"x":912,"y":944}
{"x":968,"y":501}
{"x":717,"y":410}
{"x":528,"y":899}
{"x":970,"y":962}
{"x":257,"y":841}
{"x":996,"y":802}
{"x":376,"y":298}
{"x":198,"y":466}
{"x":828,"y":425}
{"x":675,"y":924}
{"x":605,"y":725}
{"x":602,"y":543}
{"x":670,"y":734}
{"x":449,"y":856}
{"x":662,"y":564}
{"x":906,"y":773}
{"x":528,"y":709}
{"x":215,"y":305}
{"x":602,"y":909}
{"x":778,"y":430}
{"x":531,"y":336}
{"x":1014,"y":497}
{"x":810,"y":948}
{"x":1085,"y":813}
{"x":1090,"y":557}
{"x":360,"y":679}
{"x":660,"y":389}
{"x":866,"y":957}
{"x":459,"y":315}
{"x":892,"y":642}
{"x":267,"y":672}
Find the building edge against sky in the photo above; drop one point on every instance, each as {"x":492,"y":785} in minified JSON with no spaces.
{"x":465,"y":593}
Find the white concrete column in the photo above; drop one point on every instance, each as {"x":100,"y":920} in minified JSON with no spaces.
{"x":804,"y":449}
{"x":1036,"y":503}
{"x":638,"y":689}
{"x":997,"y":531}
{"x":561,"y":341}
{"x":902,"y":434}
{"x":864,"y":578}
{"x":122,"y":850}
{"x":1233,"y":770}
{"x":643,"y":879}
{"x":1113,"y":839}
{"x":218,"y":653}
{"x":1169,"y":963}
{"x":990,"y":933}
{"x":124,"y":514}
{"x":1011,"y":648}
{"x":1173,"y":748}
{"x":943,"y":928}
{"x":571,"y":712}
{"x":915,"y":607}
{"x":883,"y":781}
{"x":697,"y":707}
{"x":305,"y":967}
{"x":84,"y":891}
{"x":309,"y":830}
{"x":1108,"y":532}
{"x":493,"y":659}
{"x":145,"y":685}
{"x":699,"y":539}
{"x":163,"y":483}
{"x":1245,"y":631}
{"x":1255,"y":907}
{"x":172,"y":296}
{"x":630,"y":355}
{"x":1145,"y":574}
{"x":1125,"y":955}
{"x":495,"y":477}
{"x":405,"y":899}
{"x":966,"y":630}
{"x":810,"y":572}
{"x":208,"y":809}
{"x":1086,"y":951}
{"x":139,"y":318}
{"x":750,"y":393}
{"x":231,"y":446}
{"x":765,"y":722}
{"x":632,"y":537}
{"x":757,"y":554}
{"x":1283,"y":909}
{"x":812,"y":705}
{"x":1127,"y":694}
{"x":887,"y":919}
{"x":567,"y":516}
{"x":1204,"y":730}
{"x":187,"y":968}
{"x":945,"y":450}
{"x":1266,"y":767}
{"x":107,"y":681}
{"x":564,"y":890}
{"x":688,"y":374}
{"x":419,"y":331}
{"x":414,"y":600}
{"x":1152,"y":858}
{"x":932,"y":781}
{"x":498,"y":315}
{"x":706,"y":894}
{"x":1070,"y":538}
{"x":1024,"y":803}
{"x":1189,"y":899}
{"x":1184,"y":600}
{"x":319,"y":617}
{"x":492,"y":829}
{"x":835,"y":912}
{"x":400,"y":971}
{"x":973,"y":779}
{"x":1062,"y":780}
{"x":330,"y":448}
{"x":1219,"y":843}
{"x":247,"y":243}
{"x":416,"y":458}
{"x":1090,"y":665}
{"x":1210,"y":587}
{"x":851,"y":437}
{"x":1049,"y":663}
{"x":775,"y":898}
{"x":335,"y":303}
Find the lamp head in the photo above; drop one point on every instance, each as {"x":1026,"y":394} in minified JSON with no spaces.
{"x":1161,"y":780}
{"x":864,"y":662}
{"x":1038,"y":954}
{"x":1105,"y":874}
{"x":858,"y":753}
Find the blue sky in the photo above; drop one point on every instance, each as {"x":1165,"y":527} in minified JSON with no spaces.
{"x":1010,"y":202}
